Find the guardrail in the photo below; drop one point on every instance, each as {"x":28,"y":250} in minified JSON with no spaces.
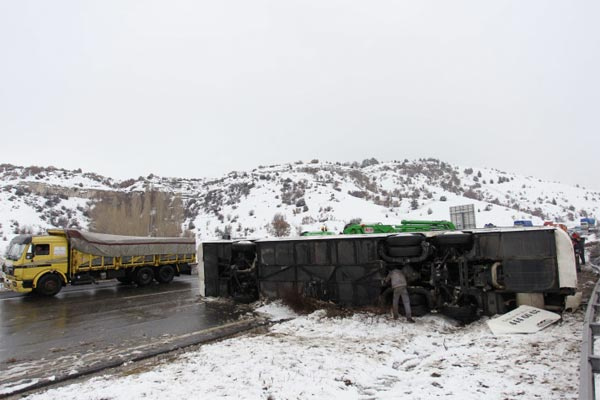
{"x":590,"y":362}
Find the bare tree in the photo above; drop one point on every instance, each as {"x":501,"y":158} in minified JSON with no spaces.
{"x":279,"y":227}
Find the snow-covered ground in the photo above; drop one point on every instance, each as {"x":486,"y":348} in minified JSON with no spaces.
{"x":364,"y":356}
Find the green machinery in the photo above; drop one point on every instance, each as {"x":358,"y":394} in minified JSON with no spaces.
{"x":405,"y":226}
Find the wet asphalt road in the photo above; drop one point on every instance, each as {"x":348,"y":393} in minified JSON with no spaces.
{"x":93,"y":324}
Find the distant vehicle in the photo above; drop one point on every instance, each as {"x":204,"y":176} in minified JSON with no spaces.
{"x":587,"y":223}
{"x":523,"y":222}
{"x":405,"y":226}
{"x":45,"y":264}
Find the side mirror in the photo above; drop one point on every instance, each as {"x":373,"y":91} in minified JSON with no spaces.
{"x":29,"y":256}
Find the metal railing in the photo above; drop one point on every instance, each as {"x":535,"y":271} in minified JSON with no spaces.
{"x":590,"y":362}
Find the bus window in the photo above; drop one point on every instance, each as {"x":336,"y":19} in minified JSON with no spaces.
{"x":320,"y":253}
{"x":267,"y":254}
{"x":301,"y":253}
{"x":282,"y":253}
{"x":345,"y":250}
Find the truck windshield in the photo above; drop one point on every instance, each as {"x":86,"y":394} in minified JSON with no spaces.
{"x":15,"y":250}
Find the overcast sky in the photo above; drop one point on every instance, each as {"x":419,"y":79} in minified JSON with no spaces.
{"x":201,"y":88}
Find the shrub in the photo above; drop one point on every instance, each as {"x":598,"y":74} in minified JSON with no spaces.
{"x":414,"y":204}
{"x":279,"y":227}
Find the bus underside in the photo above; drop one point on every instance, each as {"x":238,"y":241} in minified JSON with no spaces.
{"x":461,"y":274}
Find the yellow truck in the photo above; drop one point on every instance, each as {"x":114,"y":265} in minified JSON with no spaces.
{"x":46,"y":263}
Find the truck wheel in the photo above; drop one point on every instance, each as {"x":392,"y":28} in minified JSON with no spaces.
{"x":49,"y":285}
{"x":407,"y":251}
{"x":144,"y":276}
{"x":165,"y":274}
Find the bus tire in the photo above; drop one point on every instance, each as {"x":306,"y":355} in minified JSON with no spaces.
{"x":419,"y":310}
{"x":165,"y":274}
{"x":404,"y":240}
{"x":406,"y":251}
{"x":144,"y":276}
{"x":462,"y":313}
{"x":49,"y":285}
{"x":453,"y":239}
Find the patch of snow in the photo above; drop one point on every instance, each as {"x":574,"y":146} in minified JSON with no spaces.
{"x":360,"y":357}
{"x":276,"y":311}
{"x":15,"y":386}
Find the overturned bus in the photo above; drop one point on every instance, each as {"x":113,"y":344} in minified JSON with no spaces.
{"x":463,"y":274}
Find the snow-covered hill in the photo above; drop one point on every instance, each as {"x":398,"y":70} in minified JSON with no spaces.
{"x":309,"y":195}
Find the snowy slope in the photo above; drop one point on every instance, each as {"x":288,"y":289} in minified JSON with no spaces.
{"x":309,"y":195}
{"x":364,"y":356}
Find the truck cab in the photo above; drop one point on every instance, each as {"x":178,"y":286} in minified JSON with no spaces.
{"x":36,"y":262}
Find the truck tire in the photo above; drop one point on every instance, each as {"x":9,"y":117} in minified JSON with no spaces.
{"x":165,"y":274}
{"x":404,"y":240}
{"x":144,"y":276}
{"x":49,"y":285}
{"x":406,"y":251}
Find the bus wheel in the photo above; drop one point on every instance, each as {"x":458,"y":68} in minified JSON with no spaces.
{"x":462,"y":313}
{"x":406,"y":251}
{"x":165,"y":274}
{"x":49,"y":285}
{"x":144,"y":276}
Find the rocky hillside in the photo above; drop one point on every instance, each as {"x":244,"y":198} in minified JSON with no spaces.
{"x":308,"y":194}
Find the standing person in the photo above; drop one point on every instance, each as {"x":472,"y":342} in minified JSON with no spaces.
{"x":576,"y":248}
{"x":398,"y":282}
{"x":581,"y":244}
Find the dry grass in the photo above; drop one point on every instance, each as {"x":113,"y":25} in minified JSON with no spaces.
{"x":298,"y":303}
{"x":306,"y":305}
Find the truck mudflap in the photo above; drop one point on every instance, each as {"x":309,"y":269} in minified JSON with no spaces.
{"x":185,"y":269}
